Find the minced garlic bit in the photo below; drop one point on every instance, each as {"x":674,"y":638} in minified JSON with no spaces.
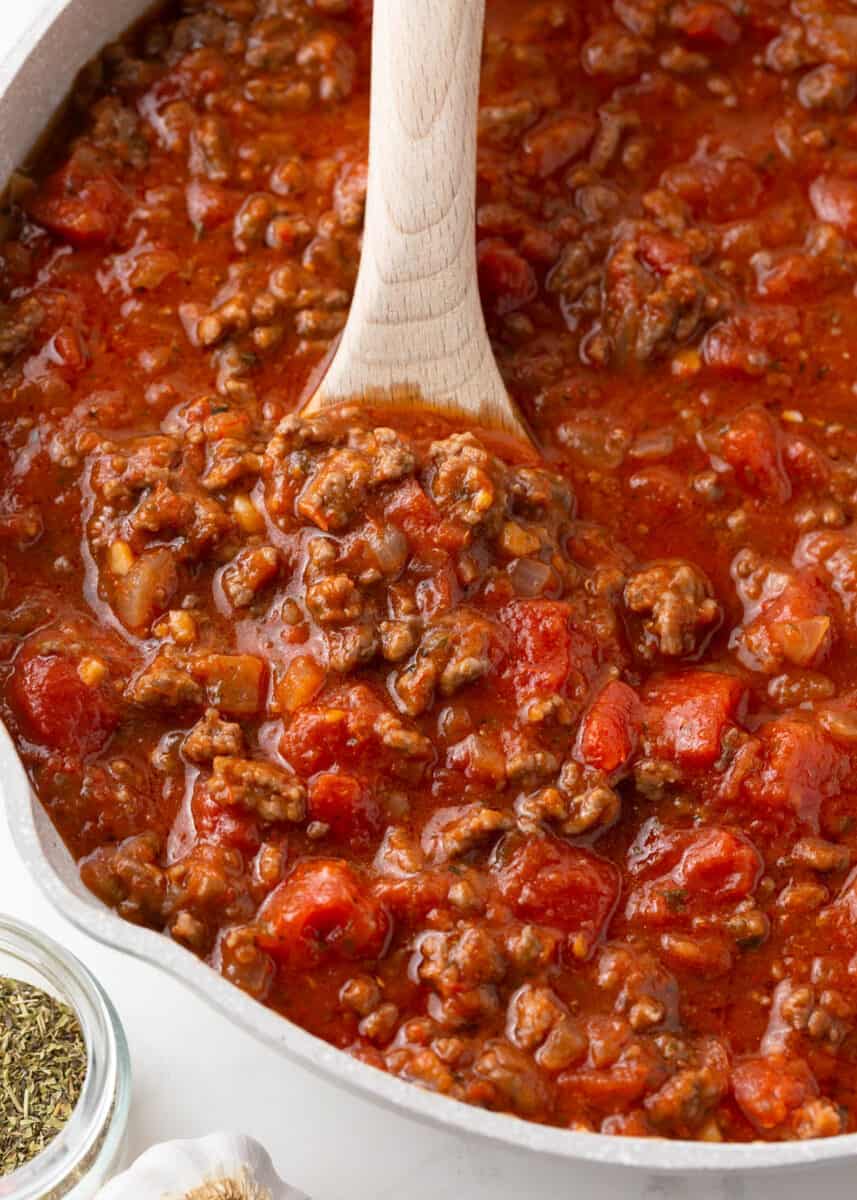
{"x":686,"y":362}
{"x":120,"y":558}
{"x":247,"y":514}
{"x":92,"y":671}
{"x":182,"y":627}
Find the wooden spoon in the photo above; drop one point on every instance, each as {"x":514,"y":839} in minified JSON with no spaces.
{"x":416,"y":336}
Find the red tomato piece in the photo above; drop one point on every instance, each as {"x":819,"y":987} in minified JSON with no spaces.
{"x":340,"y":730}
{"x":698,"y":871}
{"x":834,"y":199}
{"x":225,"y":826}
{"x":664,"y":253}
{"x":209,"y":205}
{"x":347,"y":805}
{"x":662,"y":494}
{"x":792,"y":625}
{"x":67,"y":348}
{"x":752,"y":446}
{"x":712,"y":24}
{"x":549,"y":881}
{"x":57,"y":708}
{"x":747,"y":343}
{"x":545,"y":649}
{"x":780,"y":275}
{"x":801,"y":768}
{"x":438,"y":592}
{"x":410,"y":899}
{"x":322,"y":912}
{"x":506,"y":281}
{"x":770,"y":1090}
{"x":807,"y":465}
{"x":833,"y":553}
{"x":719,"y":866}
{"x":415,"y":513}
{"x":686,"y":715}
{"x":609,"y":730}
{"x":716,"y":187}
{"x":83,"y":212}
{"x":840,"y":917}
{"x":615,"y":1088}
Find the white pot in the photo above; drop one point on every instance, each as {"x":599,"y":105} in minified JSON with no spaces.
{"x":33,"y":81}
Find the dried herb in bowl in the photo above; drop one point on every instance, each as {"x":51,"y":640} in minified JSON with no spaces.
{"x":42,"y":1069}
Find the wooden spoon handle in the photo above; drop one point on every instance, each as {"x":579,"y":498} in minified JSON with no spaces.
{"x":416,"y":327}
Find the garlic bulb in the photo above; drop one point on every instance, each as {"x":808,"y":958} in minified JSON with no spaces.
{"x":222,"y":1166}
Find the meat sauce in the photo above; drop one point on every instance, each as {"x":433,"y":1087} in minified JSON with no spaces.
{"x":533,"y":783}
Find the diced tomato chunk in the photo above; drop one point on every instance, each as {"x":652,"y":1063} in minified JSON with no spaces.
{"x":81,"y":211}
{"x":716,"y":187}
{"x":747,"y":343}
{"x":779,"y":276}
{"x":686,"y":715}
{"x":697,"y":871}
{"x":712,"y":24}
{"x":57,"y":708}
{"x":67,"y":347}
{"x":322,"y":912}
{"x":662,"y":494}
{"x":209,"y":205}
{"x":549,"y":881}
{"x":225,"y":826}
{"x":545,"y":648}
{"x":615,"y":1088}
{"x":339,"y":730}
{"x":609,"y":730}
{"x":770,"y":1090}
{"x":791,"y":622}
{"x":506,"y":281}
{"x":719,"y":866}
{"x":834,"y":554}
{"x":834,"y":199}
{"x":415,"y":513}
{"x":411,"y":898}
{"x":664,"y":253}
{"x":347,"y":805}
{"x":807,"y":465}
{"x":323,"y":734}
{"x":800,"y":768}
{"x":840,"y":917}
{"x":751,"y":445}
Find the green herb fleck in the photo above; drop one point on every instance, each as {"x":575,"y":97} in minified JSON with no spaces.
{"x":42,"y":1069}
{"x":676,"y":899}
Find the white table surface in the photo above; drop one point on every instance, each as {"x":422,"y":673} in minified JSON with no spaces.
{"x":194,"y":1073}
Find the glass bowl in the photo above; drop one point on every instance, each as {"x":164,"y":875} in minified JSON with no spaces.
{"x":88,"y":1149}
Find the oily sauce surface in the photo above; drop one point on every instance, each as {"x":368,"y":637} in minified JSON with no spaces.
{"x":534,"y":785}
